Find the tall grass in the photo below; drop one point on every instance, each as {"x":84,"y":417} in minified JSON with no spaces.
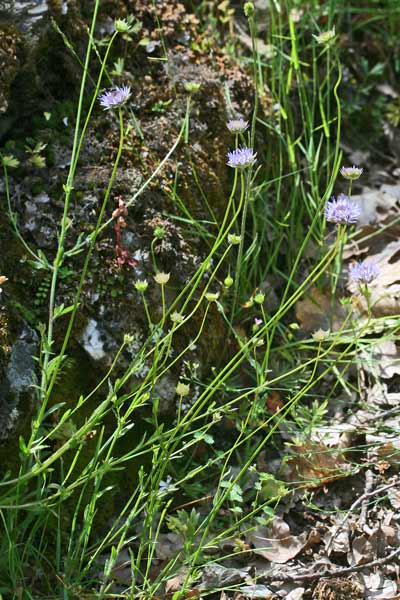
{"x":53,"y":542}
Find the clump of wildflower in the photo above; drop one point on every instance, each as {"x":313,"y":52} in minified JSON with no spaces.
{"x":237,"y":125}
{"x":161,"y":278}
{"x":177,"y":317}
{"x":351,"y":173}
{"x":115,"y":97}
{"x":364,"y":272}
{"x":182,"y":389}
{"x":241,"y":158}
{"x":141,"y":285}
{"x":325,"y":36}
{"x":342,"y":211}
{"x":234,"y":239}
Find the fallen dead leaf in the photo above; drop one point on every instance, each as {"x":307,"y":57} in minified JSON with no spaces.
{"x":313,"y":465}
{"x":275,"y":542}
{"x":379,"y":588}
{"x":315,"y":312}
{"x":256,"y":592}
{"x":378,"y":206}
{"x":381,"y":360}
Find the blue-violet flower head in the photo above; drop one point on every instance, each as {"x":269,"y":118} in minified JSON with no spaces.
{"x":364,"y":272}
{"x":351,"y":172}
{"x":115,"y":97}
{"x":241,"y":158}
{"x":342,"y":211}
{"x":237,"y":125}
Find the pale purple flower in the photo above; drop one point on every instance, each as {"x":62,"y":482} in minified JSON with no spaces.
{"x":257,"y":321}
{"x":364,"y":272}
{"x":342,"y":211}
{"x":115,"y":97}
{"x":241,"y":158}
{"x":351,"y":173}
{"x":237,"y":125}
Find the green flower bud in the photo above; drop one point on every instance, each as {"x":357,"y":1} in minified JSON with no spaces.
{"x":228,"y":281}
{"x":248,"y":9}
{"x":234,"y":239}
{"x":192,"y":87}
{"x":141,"y":285}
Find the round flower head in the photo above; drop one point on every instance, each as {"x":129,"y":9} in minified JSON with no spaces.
{"x":237,"y":125}
{"x":241,"y":158}
{"x":115,"y":97}
{"x":351,"y":173}
{"x":364,"y":272}
{"x":342,"y":211}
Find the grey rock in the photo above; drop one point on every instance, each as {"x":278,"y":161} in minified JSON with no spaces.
{"x":17,"y":391}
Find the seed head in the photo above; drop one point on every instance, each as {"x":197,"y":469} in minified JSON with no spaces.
{"x":212,"y":297}
{"x":161,"y":278}
{"x":115,"y":97}
{"x":342,"y":211}
{"x":241,"y":158}
{"x":182,"y":389}
{"x":177,"y":317}
{"x":351,"y":172}
{"x":364,"y":272}
{"x":325,"y":36}
{"x":237,"y":125}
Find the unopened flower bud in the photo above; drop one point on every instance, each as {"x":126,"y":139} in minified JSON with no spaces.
{"x":248,"y":9}
{"x":228,"y":281}
{"x":259,"y":298}
{"x":192,"y":87}
{"x":233,"y":239}
{"x":128,"y":338}
{"x":141,"y":285}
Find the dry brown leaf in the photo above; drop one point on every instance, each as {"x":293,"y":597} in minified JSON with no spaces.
{"x":315,"y":310}
{"x":314,"y":465}
{"x":257,"y":591}
{"x":379,"y":588}
{"x":275,"y":542}
{"x":381,"y":360}
{"x":378,"y":206}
